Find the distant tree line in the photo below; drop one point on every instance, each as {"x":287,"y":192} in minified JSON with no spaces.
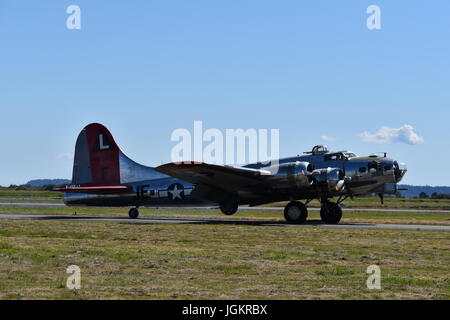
{"x":434,"y":195}
{"x":27,"y":187}
{"x":422,"y":195}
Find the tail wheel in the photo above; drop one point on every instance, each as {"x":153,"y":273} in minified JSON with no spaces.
{"x":133,"y":213}
{"x":229,"y":207}
{"x":330,"y":213}
{"x":295,"y":212}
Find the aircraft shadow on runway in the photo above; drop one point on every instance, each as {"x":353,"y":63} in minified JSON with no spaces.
{"x":149,"y":220}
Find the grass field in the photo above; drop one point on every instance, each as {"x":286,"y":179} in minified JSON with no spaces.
{"x":221,"y":261}
{"x":129,"y":261}
{"x":13,"y":194}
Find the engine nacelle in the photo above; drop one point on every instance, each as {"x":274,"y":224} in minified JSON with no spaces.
{"x":291,"y":175}
{"x":330,"y":177}
{"x":294,"y":168}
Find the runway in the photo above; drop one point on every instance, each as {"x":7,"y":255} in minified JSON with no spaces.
{"x":61,"y":205}
{"x":308,"y":224}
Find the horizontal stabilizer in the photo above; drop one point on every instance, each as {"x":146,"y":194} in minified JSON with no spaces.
{"x":95,"y":190}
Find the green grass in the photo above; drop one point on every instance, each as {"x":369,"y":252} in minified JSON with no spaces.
{"x":25,"y":194}
{"x":189,"y":261}
{"x":214,"y":261}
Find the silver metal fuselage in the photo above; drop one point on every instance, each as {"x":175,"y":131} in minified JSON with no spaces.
{"x":366,"y":175}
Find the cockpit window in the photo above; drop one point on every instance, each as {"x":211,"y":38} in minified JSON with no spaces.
{"x":350,"y":155}
{"x":334,"y":156}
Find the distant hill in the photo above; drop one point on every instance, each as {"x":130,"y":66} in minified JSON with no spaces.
{"x":44,"y":182}
{"x":414,"y":191}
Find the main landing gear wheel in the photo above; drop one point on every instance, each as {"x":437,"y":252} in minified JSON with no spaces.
{"x":229,"y":207}
{"x":133,"y":213}
{"x":295,"y":212}
{"x":331,"y":213}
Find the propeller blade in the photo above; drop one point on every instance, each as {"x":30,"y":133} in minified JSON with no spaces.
{"x":340,"y":185}
{"x":343,"y":184}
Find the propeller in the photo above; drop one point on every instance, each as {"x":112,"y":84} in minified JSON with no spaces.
{"x":331,"y":177}
{"x":342,"y":184}
{"x":399,"y":171}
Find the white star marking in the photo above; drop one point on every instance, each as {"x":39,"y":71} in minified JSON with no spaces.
{"x":176,"y":193}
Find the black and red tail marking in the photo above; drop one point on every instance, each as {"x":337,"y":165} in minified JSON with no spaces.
{"x":96,"y":160}
{"x":96,"y":167}
{"x":100,"y":167}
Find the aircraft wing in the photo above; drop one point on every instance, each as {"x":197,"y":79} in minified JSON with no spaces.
{"x":222,"y":177}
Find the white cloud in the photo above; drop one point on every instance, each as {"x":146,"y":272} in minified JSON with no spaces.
{"x":403,"y":134}
{"x":327,"y":138}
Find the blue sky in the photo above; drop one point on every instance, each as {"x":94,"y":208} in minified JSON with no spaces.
{"x":145,"y":68}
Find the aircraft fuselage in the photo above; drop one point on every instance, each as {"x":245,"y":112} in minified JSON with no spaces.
{"x":367,"y":175}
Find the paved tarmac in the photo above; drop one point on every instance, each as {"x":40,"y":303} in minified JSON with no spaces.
{"x":308,"y":224}
{"x":61,"y":205}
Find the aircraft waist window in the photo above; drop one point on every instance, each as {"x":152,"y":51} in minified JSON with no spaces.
{"x":362,"y":170}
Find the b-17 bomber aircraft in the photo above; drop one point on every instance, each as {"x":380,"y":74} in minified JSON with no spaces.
{"x":104,"y":176}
